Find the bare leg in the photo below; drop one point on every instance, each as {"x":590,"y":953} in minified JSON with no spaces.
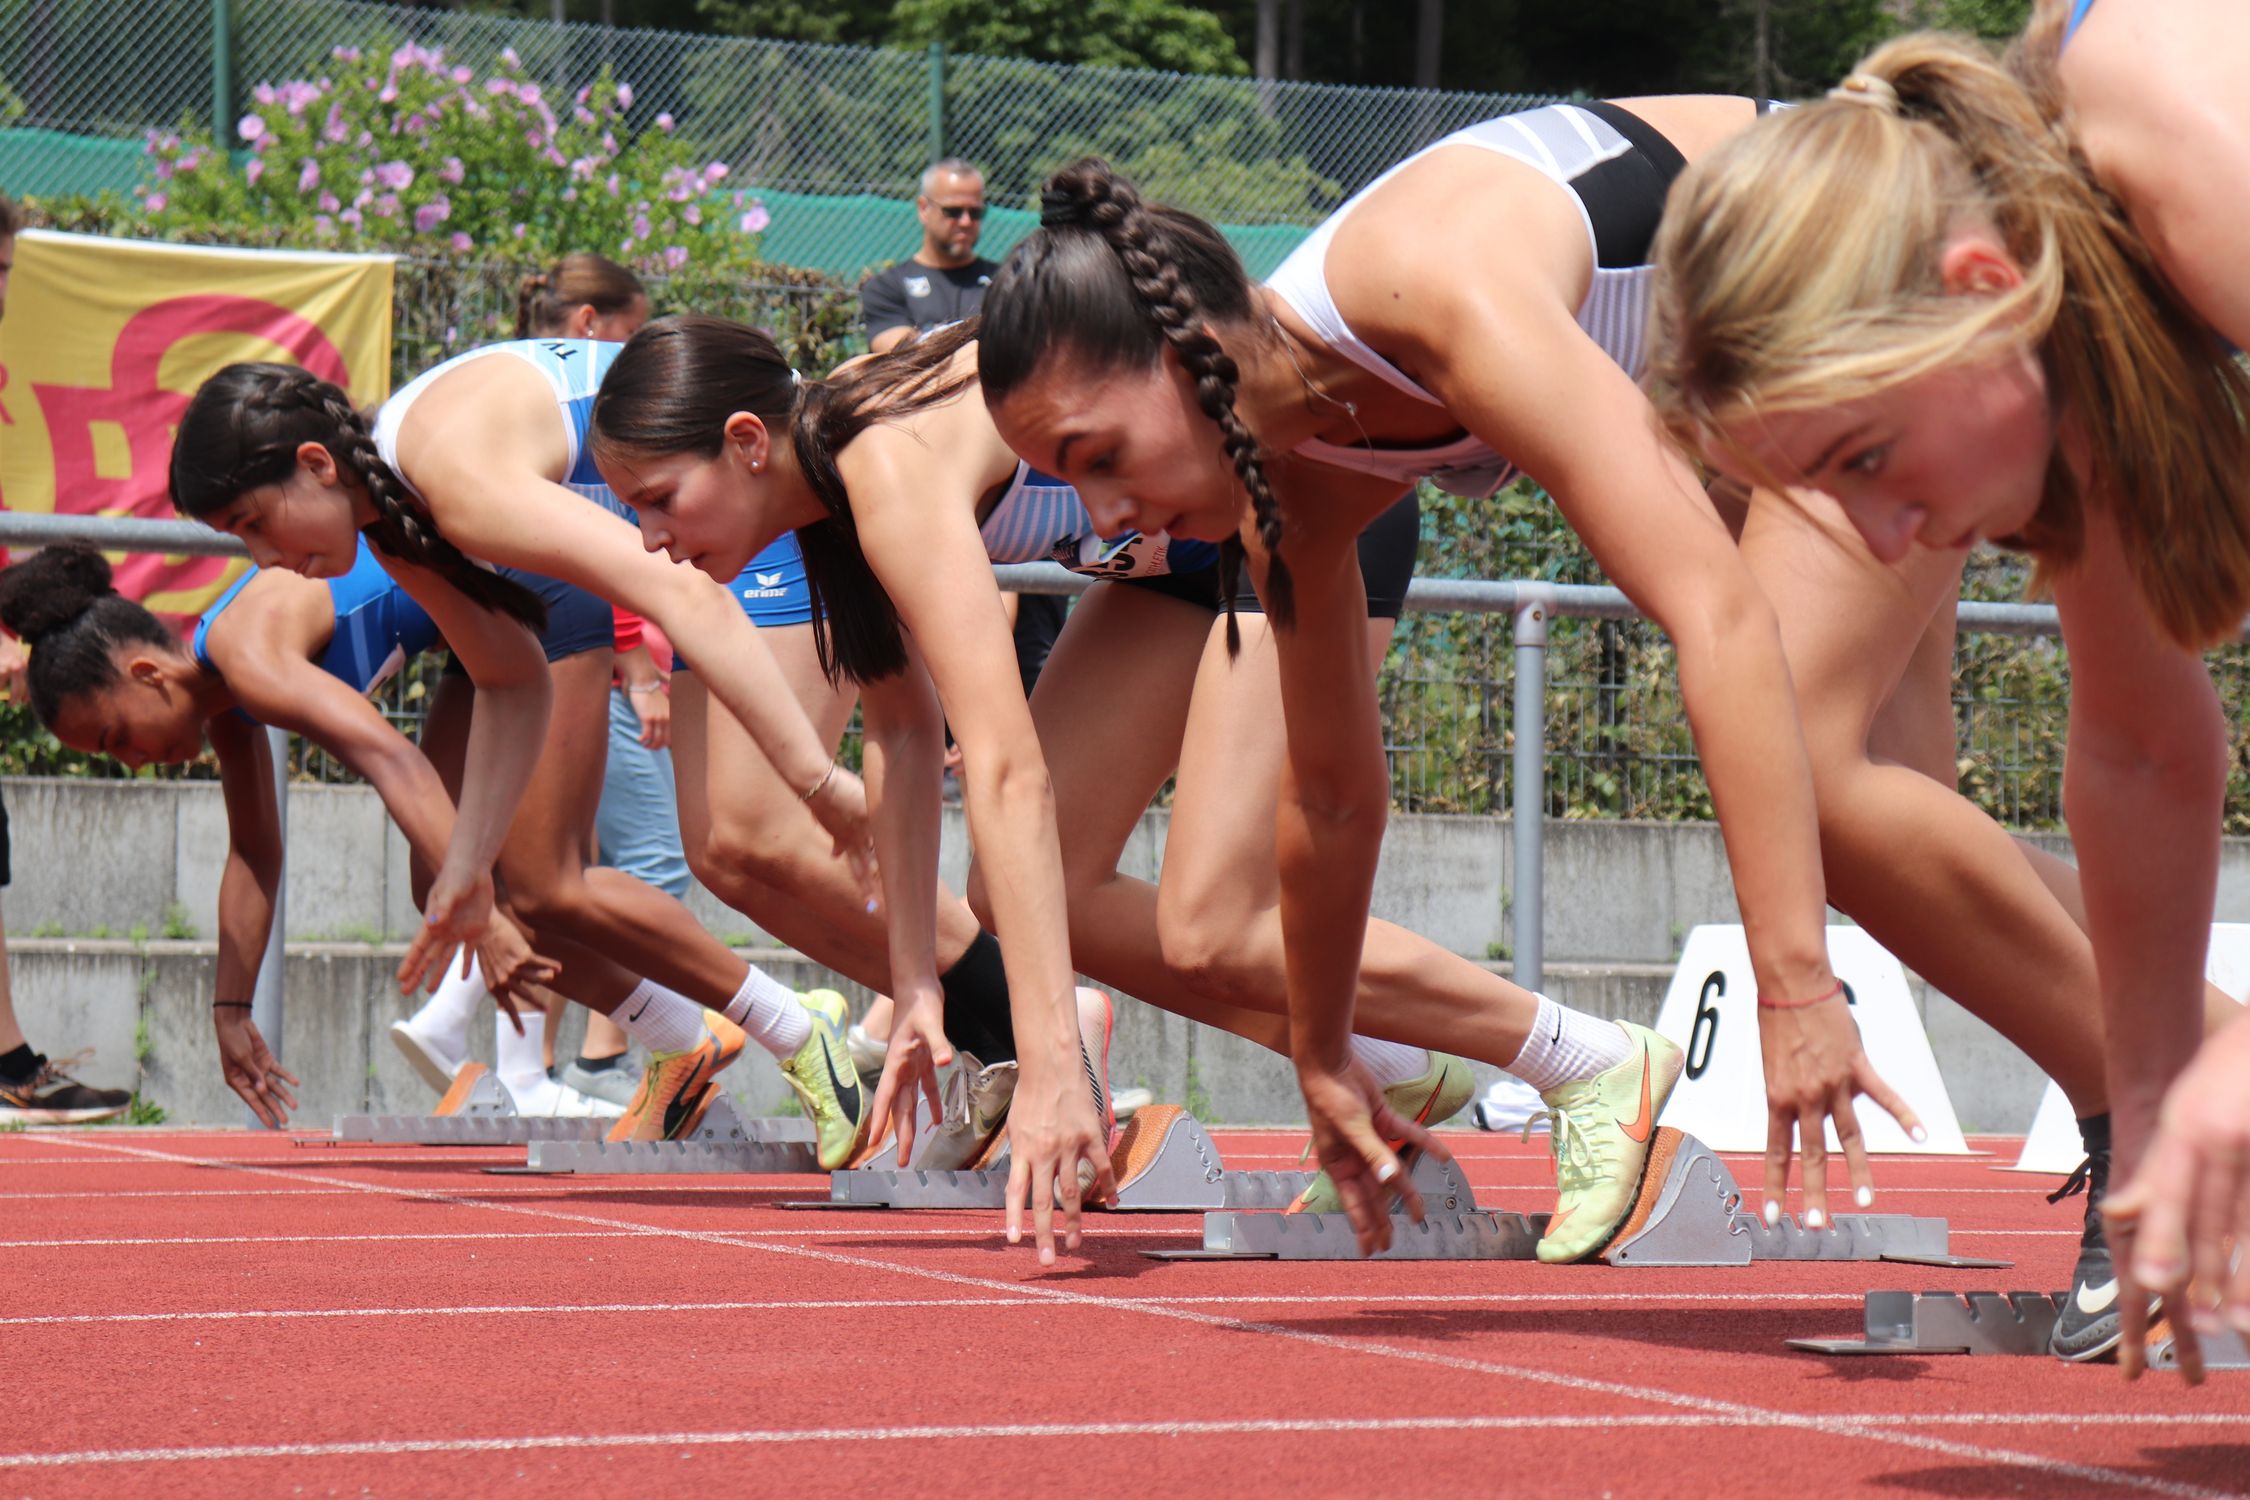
{"x":604,"y":1038}
{"x":1936,"y":881}
{"x":11,"y":1033}
{"x":1219,"y":905}
{"x":751,"y":839}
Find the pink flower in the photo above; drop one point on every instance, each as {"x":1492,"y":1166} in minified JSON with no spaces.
{"x":351,"y":218}
{"x":614,"y":183}
{"x":329,"y":203}
{"x":756,"y":219}
{"x":508,"y":56}
{"x":386,"y":207}
{"x":463,"y":73}
{"x":609,"y":143}
{"x":640,"y":226}
{"x":335,"y":130}
{"x":714,"y":172}
{"x":462,"y":244}
{"x":583,"y":115}
{"x":323,"y":225}
{"x":366,"y":139}
{"x":296,"y":95}
{"x":452,"y":331}
{"x":414,"y":125}
{"x":694,"y":214}
{"x":624,"y":96}
{"x":394,"y":174}
{"x":255,"y":170}
{"x":528,"y":92}
{"x":675,"y":256}
{"x":251,"y":127}
{"x":164,"y":170}
{"x":664,"y":121}
{"x":433,"y":213}
{"x":263,"y":94}
{"x":309,"y":178}
{"x":157,"y":201}
{"x":570,"y":195}
{"x":388,"y":95}
{"x":452,"y":170}
{"x":346,"y":54}
{"x":519,"y":230}
{"x":364,"y":197}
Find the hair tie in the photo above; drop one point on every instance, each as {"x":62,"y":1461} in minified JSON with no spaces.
{"x":796,"y":377}
{"x":1866,"y":88}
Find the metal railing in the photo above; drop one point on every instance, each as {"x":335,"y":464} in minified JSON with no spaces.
{"x":1530,"y":606}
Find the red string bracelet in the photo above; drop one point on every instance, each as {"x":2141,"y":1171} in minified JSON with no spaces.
{"x":1765,"y":1004}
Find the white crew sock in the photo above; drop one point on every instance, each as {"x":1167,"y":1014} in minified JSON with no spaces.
{"x":771,"y":1013}
{"x":521,"y":1061}
{"x":444,"y":1017}
{"x":659,"y":1019}
{"x":1388,"y":1062}
{"x":1565,"y":1046}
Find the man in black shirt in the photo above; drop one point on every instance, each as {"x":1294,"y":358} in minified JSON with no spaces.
{"x":944,"y":282}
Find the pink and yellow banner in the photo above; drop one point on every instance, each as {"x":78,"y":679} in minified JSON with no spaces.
{"x":104,"y":341}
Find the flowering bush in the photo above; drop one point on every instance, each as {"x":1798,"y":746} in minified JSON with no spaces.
{"x":407,"y":152}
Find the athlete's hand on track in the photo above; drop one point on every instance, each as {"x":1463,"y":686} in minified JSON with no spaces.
{"x":2170,"y":1227}
{"x":1352,"y":1125}
{"x":455,"y":916}
{"x":1051,"y":1129}
{"x":507,"y":965}
{"x":251,"y":1070}
{"x":12,"y":662}
{"x":916,"y":1050}
{"x":841,"y":806}
{"x":1815,"y":1067}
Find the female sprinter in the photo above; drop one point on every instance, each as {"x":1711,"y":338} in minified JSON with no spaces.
{"x":108,"y":678}
{"x":1974,"y":304}
{"x":905,"y":495}
{"x":1124,"y":350}
{"x":483,"y":447}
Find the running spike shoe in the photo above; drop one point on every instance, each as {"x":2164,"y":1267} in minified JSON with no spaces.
{"x":827,"y":1083}
{"x":1432,"y":1099}
{"x":675,"y":1087}
{"x":1601,"y":1131}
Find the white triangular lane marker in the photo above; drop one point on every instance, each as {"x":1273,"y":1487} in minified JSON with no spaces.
{"x":1712,"y":1011}
{"x":2052,"y":1148}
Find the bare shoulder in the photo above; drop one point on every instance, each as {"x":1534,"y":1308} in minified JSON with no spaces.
{"x":495,"y":411}
{"x":277,"y":613}
{"x":2150,"y":83}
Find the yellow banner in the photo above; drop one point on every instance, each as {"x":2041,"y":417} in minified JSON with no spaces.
{"x":104,"y":341}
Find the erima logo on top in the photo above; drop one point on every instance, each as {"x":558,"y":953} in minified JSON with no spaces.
{"x":769,"y":586}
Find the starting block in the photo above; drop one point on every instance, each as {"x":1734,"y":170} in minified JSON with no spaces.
{"x":476,"y":1111}
{"x":724,"y":1142}
{"x":1989,"y":1323}
{"x":1689,"y":1213}
{"x":1165,"y":1162}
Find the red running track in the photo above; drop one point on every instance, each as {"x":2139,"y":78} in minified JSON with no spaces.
{"x":223,"y":1314}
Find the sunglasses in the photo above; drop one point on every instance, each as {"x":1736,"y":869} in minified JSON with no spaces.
{"x":958,"y":212}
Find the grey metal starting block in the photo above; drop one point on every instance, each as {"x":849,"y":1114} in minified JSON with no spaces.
{"x":1453,"y":1228}
{"x":1165,"y":1162}
{"x":723,"y":1143}
{"x":487,"y":1117}
{"x":1990,"y":1323}
{"x":1699,"y":1217}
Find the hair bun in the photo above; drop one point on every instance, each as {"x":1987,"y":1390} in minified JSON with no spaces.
{"x":51,"y":588}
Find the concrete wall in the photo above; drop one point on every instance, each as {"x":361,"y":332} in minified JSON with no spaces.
{"x":111,"y":857}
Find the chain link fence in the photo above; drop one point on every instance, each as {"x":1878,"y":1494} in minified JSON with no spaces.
{"x":833,"y":138}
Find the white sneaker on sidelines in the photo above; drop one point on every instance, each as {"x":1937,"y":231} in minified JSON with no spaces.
{"x":430,"y":1056}
{"x":867,"y":1052}
{"x":548,"y":1099}
{"x":1126,"y":1103}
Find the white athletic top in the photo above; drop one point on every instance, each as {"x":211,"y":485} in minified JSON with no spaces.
{"x":1562,"y":141}
{"x":1040,"y":518}
{"x":573,"y":367}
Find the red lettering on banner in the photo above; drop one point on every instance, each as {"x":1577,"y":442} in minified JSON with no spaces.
{"x":148,"y":414}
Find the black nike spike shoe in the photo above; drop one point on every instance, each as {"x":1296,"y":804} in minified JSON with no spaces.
{"x":2090,"y":1326}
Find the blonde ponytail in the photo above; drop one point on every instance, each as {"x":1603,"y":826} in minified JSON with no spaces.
{"x":1798,"y":269}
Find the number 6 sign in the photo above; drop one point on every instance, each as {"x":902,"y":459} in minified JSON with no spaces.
{"x":1711,"y":1010}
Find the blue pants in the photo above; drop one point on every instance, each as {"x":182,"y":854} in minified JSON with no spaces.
{"x":638,"y":824}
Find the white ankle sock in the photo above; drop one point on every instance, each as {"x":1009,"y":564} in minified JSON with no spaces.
{"x":659,"y":1019}
{"x":521,"y":1061}
{"x":444,"y":1017}
{"x":1566,"y":1045}
{"x":1388,"y":1062}
{"x":771,"y":1013}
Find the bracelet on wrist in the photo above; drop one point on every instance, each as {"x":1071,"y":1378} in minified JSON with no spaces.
{"x":231,"y":1005}
{"x":1824,"y":995}
{"x":814,"y":790}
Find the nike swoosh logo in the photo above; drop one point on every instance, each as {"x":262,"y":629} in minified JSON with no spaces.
{"x":2092,"y":1299}
{"x":645,"y":1004}
{"x":846,"y":1095}
{"x":1637,"y":1131}
{"x":1557,"y":1039}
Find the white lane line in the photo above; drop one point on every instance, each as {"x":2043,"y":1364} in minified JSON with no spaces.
{"x":1370,"y":1299}
{"x":620,"y":1229}
{"x":1531,"y":1374}
{"x":1252,"y":1426}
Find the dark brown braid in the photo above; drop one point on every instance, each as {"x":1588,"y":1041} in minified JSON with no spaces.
{"x":243,"y":430}
{"x":1180,"y":273}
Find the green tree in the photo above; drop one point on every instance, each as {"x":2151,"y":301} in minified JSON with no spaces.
{"x":1167,"y":34}
{"x":861,"y":22}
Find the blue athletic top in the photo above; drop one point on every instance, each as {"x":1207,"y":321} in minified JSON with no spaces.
{"x":378,"y":625}
{"x":2077,"y":18}
{"x":573,"y":367}
{"x":1040,"y":517}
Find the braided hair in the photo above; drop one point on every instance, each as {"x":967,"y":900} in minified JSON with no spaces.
{"x":60,"y":601}
{"x":242,"y":431}
{"x":1115,"y":282}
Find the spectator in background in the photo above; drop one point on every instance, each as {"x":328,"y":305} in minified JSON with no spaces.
{"x":33,"y":1091}
{"x":945,"y":279}
{"x":943,"y":283}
